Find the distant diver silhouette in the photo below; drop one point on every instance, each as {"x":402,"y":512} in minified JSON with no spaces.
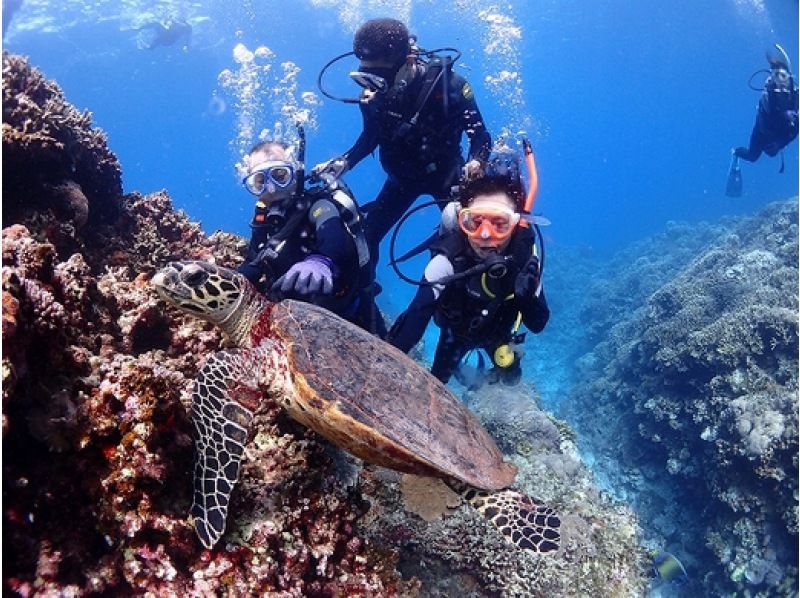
{"x":157,"y":34}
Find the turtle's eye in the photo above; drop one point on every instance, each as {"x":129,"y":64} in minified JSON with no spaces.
{"x":195,"y":277}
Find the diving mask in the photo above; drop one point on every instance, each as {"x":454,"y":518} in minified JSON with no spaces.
{"x":370,"y":81}
{"x":488,"y":223}
{"x":780,"y":78}
{"x":279,"y":175}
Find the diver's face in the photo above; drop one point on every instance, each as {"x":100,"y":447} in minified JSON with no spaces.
{"x":261,"y":162}
{"x":484,"y":245}
{"x":381,"y":68}
{"x":780,"y":78}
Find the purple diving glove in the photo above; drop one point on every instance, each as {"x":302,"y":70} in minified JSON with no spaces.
{"x":313,"y":275}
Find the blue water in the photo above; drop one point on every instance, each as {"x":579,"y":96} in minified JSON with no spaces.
{"x":632,"y":107}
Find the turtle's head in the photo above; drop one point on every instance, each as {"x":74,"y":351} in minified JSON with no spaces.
{"x":202,"y":289}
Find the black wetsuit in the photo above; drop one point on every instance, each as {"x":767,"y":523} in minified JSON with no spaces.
{"x":319,"y":229}
{"x":776,"y":121}
{"x":421,"y":158}
{"x":459,"y":309}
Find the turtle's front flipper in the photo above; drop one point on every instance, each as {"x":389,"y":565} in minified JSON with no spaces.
{"x":521,"y":521}
{"x":221,"y":422}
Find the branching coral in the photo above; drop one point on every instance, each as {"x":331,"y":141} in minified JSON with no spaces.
{"x":702,"y":383}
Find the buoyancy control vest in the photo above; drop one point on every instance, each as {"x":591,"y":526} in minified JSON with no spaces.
{"x":480,"y":308}
{"x":416,"y":129}
{"x":292,"y":239}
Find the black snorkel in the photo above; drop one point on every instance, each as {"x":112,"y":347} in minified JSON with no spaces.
{"x":301,"y":161}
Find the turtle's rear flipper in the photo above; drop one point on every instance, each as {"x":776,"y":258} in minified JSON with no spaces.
{"x":220,"y":424}
{"x":521,"y":521}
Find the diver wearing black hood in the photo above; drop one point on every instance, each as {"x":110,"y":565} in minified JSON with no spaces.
{"x":480,"y":307}
{"x":415,"y":112}
{"x":776,"y":117}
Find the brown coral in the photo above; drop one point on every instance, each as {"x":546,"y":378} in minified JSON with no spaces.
{"x":96,"y":379}
{"x":53,"y":158}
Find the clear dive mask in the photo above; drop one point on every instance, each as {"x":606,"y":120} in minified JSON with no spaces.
{"x":276,"y":173}
{"x":485,"y":223}
{"x":370,"y":81}
{"x":780,"y":78}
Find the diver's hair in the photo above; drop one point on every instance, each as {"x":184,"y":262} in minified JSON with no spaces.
{"x":486,"y":185}
{"x":265,"y":146}
{"x":386,"y":39}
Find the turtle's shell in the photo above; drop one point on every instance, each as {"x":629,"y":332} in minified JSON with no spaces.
{"x":376,"y":402}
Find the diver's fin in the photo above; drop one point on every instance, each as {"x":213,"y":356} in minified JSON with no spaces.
{"x":221,"y":424}
{"x":418,"y":249}
{"x":733,"y":188}
{"x":522,"y":522}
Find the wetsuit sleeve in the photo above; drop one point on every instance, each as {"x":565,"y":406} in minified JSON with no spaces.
{"x":411,"y":324}
{"x":252,"y":271}
{"x":332,"y":238}
{"x":480,"y":142}
{"x":367,"y":141}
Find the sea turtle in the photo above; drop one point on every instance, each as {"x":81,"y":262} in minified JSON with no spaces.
{"x":357,"y":391}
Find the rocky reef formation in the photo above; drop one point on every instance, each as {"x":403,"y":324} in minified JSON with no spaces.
{"x":690,"y":402}
{"x":96,"y":374}
{"x":54,"y":160}
{"x":97,"y":448}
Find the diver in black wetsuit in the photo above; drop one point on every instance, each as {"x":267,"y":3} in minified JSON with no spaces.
{"x":416,"y":113}
{"x":491,"y":281}
{"x":307,"y":244}
{"x":166,"y":34}
{"x":776,"y":116}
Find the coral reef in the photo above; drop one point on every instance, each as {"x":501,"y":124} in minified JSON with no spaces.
{"x":96,"y":379}
{"x":97,"y":375}
{"x":53,"y":159}
{"x":690,"y":404}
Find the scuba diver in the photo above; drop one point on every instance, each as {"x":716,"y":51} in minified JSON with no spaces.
{"x":415,"y":109}
{"x":776,"y":119}
{"x":307,"y":243}
{"x":484,"y":279}
{"x":157,"y":34}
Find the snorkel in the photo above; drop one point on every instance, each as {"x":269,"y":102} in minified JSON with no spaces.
{"x":533,"y":181}
{"x":784,"y":62}
{"x":301,"y":160}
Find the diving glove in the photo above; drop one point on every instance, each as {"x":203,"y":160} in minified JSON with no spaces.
{"x":527,"y":281}
{"x":330,"y":170}
{"x":313,"y":275}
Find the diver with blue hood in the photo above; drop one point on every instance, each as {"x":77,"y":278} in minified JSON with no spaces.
{"x":415,"y":109}
{"x":776,"y":118}
{"x":484,"y":278}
